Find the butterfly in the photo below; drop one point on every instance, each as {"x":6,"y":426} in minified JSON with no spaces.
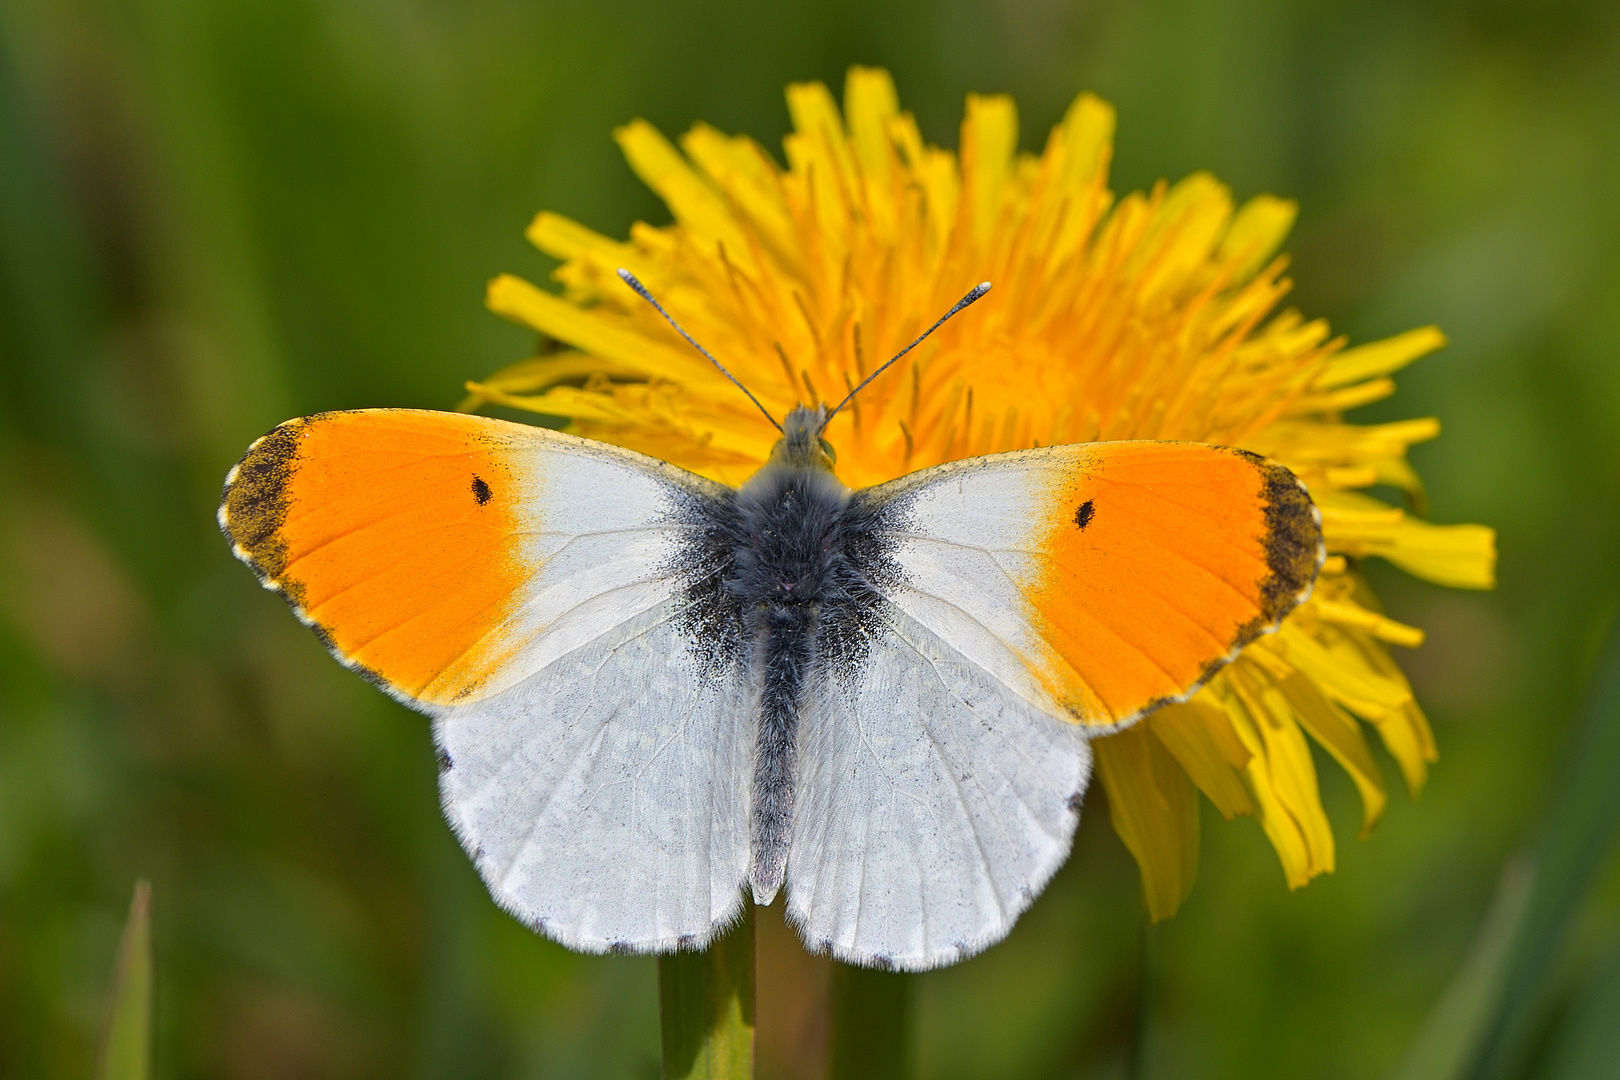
{"x":653,"y":694}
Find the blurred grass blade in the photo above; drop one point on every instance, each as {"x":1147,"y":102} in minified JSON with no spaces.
{"x":1491,"y":1018}
{"x":871,"y":1025}
{"x":1570,"y":849}
{"x":1447,"y":1042}
{"x":1588,"y":1046}
{"x":706,"y":1008}
{"x":126,"y":1040}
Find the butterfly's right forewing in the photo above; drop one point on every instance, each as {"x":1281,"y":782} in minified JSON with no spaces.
{"x":554,"y":604}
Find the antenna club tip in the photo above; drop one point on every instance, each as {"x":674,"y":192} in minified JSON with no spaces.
{"x":641,"y":290}
{"x":982,"y":287}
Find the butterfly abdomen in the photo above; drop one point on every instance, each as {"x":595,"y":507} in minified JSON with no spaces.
{"x":793,"y":580}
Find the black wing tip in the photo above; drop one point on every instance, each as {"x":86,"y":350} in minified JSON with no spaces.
{"x":251,"y":513}
{"x":1293,"y":544}
{"x":1294,"y":553}
{"x":254,"y":504}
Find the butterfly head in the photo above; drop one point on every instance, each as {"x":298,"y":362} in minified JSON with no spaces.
{"x":801,"y":445}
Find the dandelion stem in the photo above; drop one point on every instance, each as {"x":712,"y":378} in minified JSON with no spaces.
{"x":1137,"y":1049}
{"x":706,"y":1007}
{"x":871,"y":1025}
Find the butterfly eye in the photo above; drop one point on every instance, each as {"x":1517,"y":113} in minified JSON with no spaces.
{"x":827,"y":448}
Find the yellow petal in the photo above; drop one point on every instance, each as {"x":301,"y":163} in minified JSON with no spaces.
{"x":1255,"y":235}
{"x":695,"y":204}
{"x":1088,"y":139}
{"x":870,"y":107}
{"x":1380,"y":357}
{"x":564,"y":239}
{"x":622,"y":344}
{"x":1348,"y":397}
{"x":539,"y":372}
{"x":1185,"y":230}
{"x":1287,"y":769}
{"x":747,"y":179}
{"x":1154,"y":811}
{"x":1462,"y":556}
{"x":1199,"y":734}
{"x":1344,"y":678}
{"x":1379,"y":626}
{"x":989,"y":140}
{"x":1404,"y":731}
{"x":1340,"y":736}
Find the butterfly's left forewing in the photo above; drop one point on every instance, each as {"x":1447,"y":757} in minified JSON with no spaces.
{"x":553,"y":604}
{"x":1104,"y":580}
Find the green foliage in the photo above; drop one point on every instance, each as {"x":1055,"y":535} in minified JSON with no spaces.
{"x":706,"y":1008}
{"x":126,"y":1044}
{"x":214,"y":216}
{"x":870,"y":1036}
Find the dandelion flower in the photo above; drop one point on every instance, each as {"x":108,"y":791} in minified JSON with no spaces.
{"x":1154,"y":316}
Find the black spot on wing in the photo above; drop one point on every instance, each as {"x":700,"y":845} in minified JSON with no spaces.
{"x":1082,"y":516}
{"x":480,"y":490}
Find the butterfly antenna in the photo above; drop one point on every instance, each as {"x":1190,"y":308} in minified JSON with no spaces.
{"x":973,"y":294}
{"x":641,"y":290}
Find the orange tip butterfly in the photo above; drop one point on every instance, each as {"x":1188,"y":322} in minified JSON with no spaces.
{"x":653,"y":693}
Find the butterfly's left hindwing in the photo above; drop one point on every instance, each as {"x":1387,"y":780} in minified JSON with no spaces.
{"x":550,"y":603}
{"x":1028,"y":601}
{"x":933,"y":805}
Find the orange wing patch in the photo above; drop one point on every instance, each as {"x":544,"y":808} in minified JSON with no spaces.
{"x":392,"y":533}
{"x":1165,"y":558}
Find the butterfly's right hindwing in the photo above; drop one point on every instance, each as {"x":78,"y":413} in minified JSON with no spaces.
{"x":604,"y":799}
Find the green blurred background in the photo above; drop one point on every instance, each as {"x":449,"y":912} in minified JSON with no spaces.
{"x":215,"y":215}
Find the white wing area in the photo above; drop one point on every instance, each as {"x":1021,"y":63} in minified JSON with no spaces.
{"x":603,"y":529}
{"x":965,"y":539}
{"x":600,"y":778}
{"x":604,"y":799}
{"x":933,"y":805}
